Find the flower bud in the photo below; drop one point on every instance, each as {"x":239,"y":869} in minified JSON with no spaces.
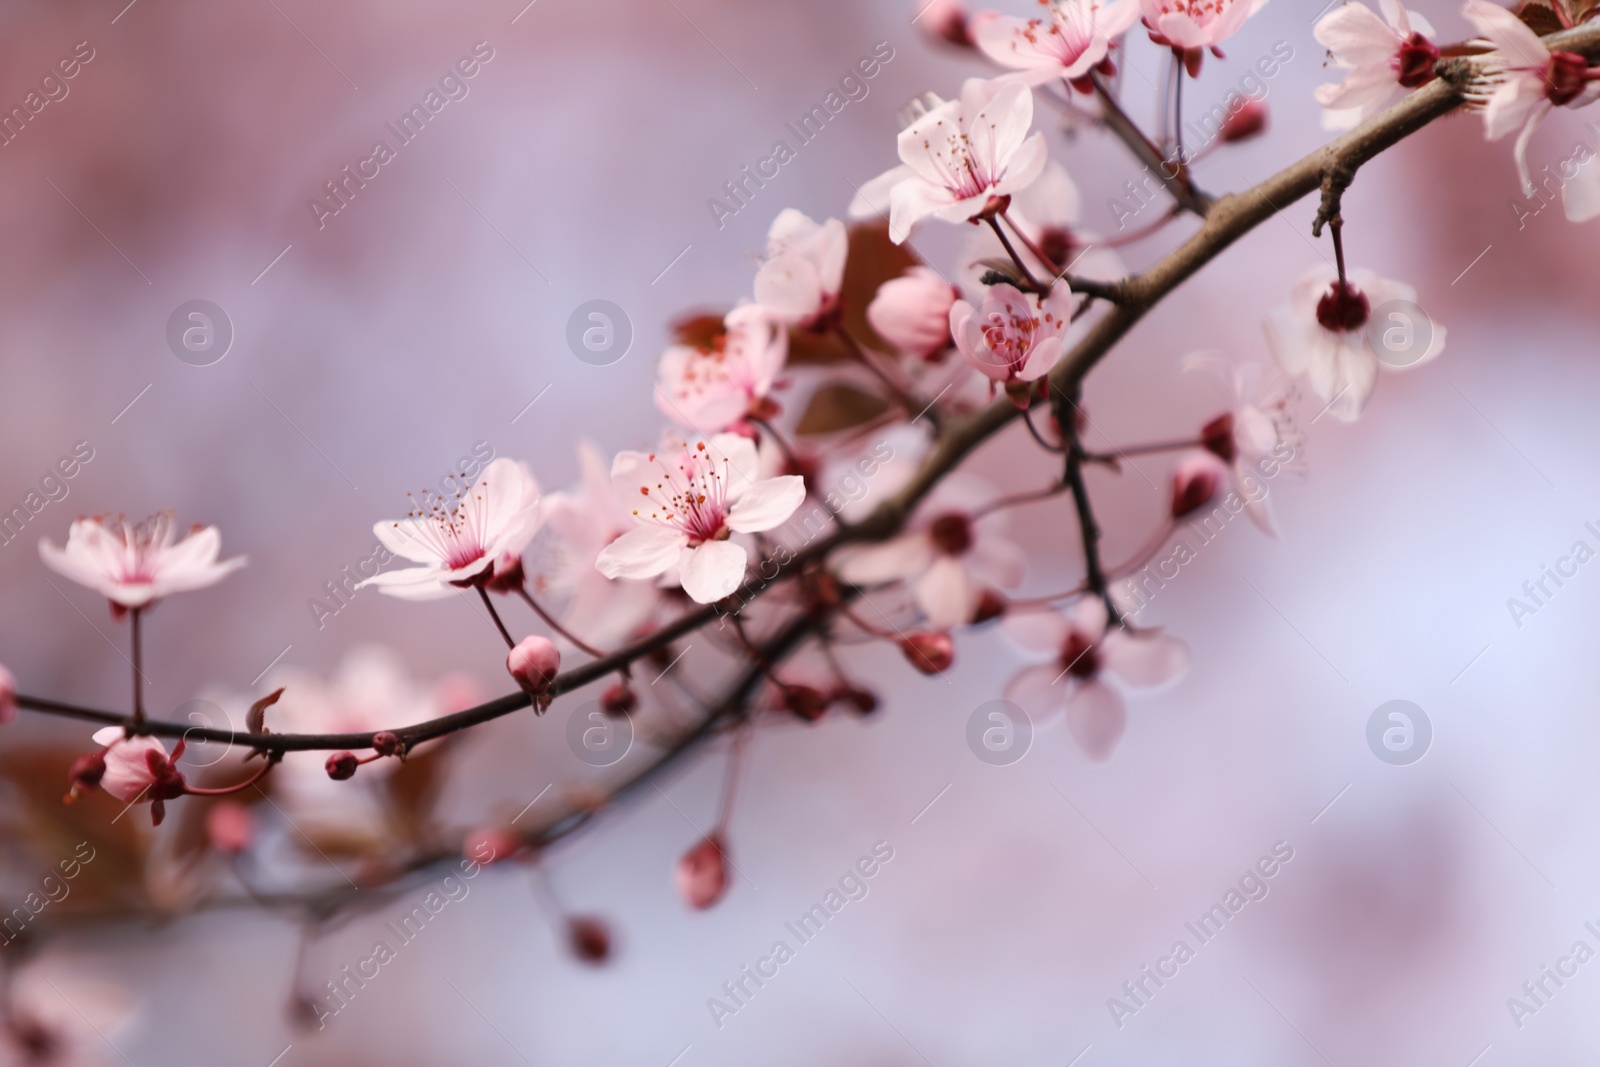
{"x":861,"y":701}
{"x":8,"y":695}
{"x":589,"y":939}
{"x":1195,"y":481}
{"x":342,"y":765}
{"x":618,"y":699}
{"x":804,"y":701}
{"x":489,"y":844}
{"x":947,"y":20}
{"x":912,"y":312}
{"x":388,"y":743}
{"x":534,"y":663}
{"x":702,"y":873}
{"x":1247,"y":122}
{"x":230,"y":826}
{"x":929,"y":652}
{"x":85,"y":774}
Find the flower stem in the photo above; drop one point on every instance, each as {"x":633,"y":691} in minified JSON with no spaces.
{"x":487,"y":603}
{"x":1032,"y":283}
{"x":138,"y":667}
{"x":550,"y":621}
{"x":222,"y":791}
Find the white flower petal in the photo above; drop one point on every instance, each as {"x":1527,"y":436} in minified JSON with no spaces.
{"x":1096,"y":717}
{"x":767,"y":503}
{"x":643,"y":552}
{"x":712,"y":571}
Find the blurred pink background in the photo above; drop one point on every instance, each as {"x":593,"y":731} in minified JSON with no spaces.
{"x":429,"y":312}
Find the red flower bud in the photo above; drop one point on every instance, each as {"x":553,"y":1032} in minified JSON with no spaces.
{"x":387,"y":743}
{"x":534,"y":663}
{"x":589,"y":939}
{"x":805,"y":702}
{"x":702,"y":873}
{"x":489,"y":844}
{"x":1247,"y":122}
{"x":929,"y":652}
{"x":1195,"y":481}
{"x":991,"y":605}
{"x":342,"y":765}
{"x":618,"y":700}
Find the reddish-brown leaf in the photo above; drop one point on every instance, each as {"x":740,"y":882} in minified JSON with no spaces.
{"x":838,"y":407}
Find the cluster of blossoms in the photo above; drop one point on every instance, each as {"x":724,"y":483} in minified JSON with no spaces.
{"x":828,"y":385}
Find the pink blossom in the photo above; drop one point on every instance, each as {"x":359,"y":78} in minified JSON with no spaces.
{"x":688,"y":506}
{"x":950,"y":553}
{"x":459,"y":544}
{"x":1380,"y":57}
{"x":1013,"y":337}
{"x":137,"y":564}
{"x":1192,"y":24}
{"x":1254,"y":435}
{"x":707,"y":390}
{"x":958,"y":157}
{"x":1323,"y":334}
{"x":1527,"y":80}
{"x":799,"y":282}
{"x":586,"y":519}
{"x":139,"y":770}
{"x":1084,"y":656}
{"x":1068,"y":43}
{"x":912,"y":312}
{"x":701,"y":873}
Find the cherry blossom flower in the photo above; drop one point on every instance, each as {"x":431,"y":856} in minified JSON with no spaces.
{"x":457,"y":545}
{"x":1068,"y":43}
{"x":1074,"y":681}
{"x":1256,"y":434}
{"x":692,"y":503}
{"x":135,"y":564}
{"x":1527,"y":80}
{"x":1013,"y":337}
{"x":587,"y":518}
{"x":139,"y":770}
{"x":799,"y":282}
{"x":958,"y":158}
{"x":1190,"y":25}
{"x":1323,"y":334}
{"x":1380,"y":56}
{"x":707,"y":390}
{"x":951,"y":552}
{"x":912,"y":312}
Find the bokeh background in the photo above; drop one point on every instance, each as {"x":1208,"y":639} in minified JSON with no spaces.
{"x":375,"y":350}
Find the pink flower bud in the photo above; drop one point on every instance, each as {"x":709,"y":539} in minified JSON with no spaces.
{"x":230,"y":826}
{"x":1217,"y":438}
{"x":618,"y":699}
{"x":388,"y":743}
{"x":342,"y":765}
{"x":490,"y":844}
{"x":1195,"y":481}
{"x":702,"y":873}
{"x":589,"y":939}
{"x":1247,"y":122}
{"x":912,"y":312}
{"x":929,"y":652}
{"x":8,"y":695}
{"x":534,"y":663}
